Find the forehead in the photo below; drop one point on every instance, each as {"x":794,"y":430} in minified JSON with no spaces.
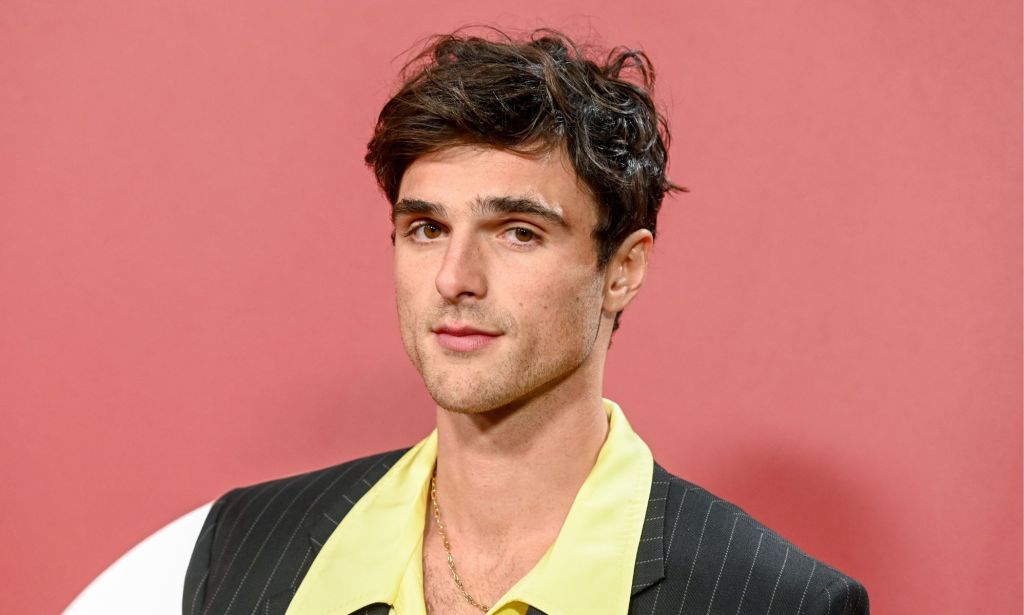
{"x":459,"y":176}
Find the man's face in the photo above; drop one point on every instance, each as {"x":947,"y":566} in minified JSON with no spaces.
{"x":499,"y":296}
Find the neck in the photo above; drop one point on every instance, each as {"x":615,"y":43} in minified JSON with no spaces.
{"x":511,"y":474}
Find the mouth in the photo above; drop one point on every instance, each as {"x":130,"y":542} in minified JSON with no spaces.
{"x":464,"y":338}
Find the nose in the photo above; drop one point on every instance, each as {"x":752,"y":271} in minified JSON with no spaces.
{"x":461,"y":275}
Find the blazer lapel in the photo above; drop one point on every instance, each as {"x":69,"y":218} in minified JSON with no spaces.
{"x":321,"y":524}
{"x":650,"y":556}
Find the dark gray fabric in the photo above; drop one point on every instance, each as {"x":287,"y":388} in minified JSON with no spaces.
{"x":698,"y":554}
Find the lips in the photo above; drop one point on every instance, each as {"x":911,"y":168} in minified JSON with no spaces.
{"x":464,"y":338}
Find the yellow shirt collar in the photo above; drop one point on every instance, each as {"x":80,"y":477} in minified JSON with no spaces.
{"x":588,"y":569}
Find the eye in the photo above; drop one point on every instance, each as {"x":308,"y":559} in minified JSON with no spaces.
{"x":523,"y":235}
{"x":430,"y":231}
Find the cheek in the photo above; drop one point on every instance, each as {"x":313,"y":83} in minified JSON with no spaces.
{"x":407,"y":277}
{"x":407,"y":319}
{"x":405,"y":299}
{"x":566,"y":308}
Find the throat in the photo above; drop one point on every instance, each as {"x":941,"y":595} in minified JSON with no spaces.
{"x":499,"y":488}
{"x":486,"y":572}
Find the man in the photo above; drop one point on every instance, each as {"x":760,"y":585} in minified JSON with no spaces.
{"x":525,"y":182}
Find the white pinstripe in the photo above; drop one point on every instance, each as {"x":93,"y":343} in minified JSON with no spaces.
{"x":227,"y":539}
{"x":298,"y":571}
{"x":195,"y":596}
{"x":696,"y":555}
{"x":231,"y":562}
{"x":779,"y":578}
{"x":800,"y":607}
{"x":751,"y":572}
{"x":722,"y":568}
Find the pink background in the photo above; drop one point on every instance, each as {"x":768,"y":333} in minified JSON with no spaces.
{"x":197,"y":293}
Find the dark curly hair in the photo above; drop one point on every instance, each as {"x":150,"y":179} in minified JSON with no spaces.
{"x":531,"y":96}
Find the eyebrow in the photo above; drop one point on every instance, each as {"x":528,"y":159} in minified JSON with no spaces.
{"x":416,"y":207}
{"x":492,"y":205}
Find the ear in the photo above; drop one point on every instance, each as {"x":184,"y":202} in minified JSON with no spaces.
{"x":626,"y":270}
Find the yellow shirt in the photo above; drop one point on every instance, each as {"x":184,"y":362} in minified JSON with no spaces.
{"x":376,"y":553}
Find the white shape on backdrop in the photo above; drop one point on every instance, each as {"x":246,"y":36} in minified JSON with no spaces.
{"x":149,"y":577}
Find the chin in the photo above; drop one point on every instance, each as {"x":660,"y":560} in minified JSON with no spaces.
{"x":462,"y":404}
{"x":467,"y":398}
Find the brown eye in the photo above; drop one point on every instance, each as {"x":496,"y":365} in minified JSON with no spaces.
{"x":423,"y":231}
{"x":524,"y":235}
{"x":430,"y":231}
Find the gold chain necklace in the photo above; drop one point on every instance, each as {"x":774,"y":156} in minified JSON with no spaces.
{"x":447,"y":547}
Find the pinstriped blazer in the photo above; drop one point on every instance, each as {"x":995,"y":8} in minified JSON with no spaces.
{"x":698,"y":554}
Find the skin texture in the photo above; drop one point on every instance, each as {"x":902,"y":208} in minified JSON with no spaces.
{"x":520,"y":421}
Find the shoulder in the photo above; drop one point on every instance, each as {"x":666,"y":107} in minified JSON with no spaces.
{"x":286,"y":497}
{"x":259,"y":539}
{"x":718,"y":555}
